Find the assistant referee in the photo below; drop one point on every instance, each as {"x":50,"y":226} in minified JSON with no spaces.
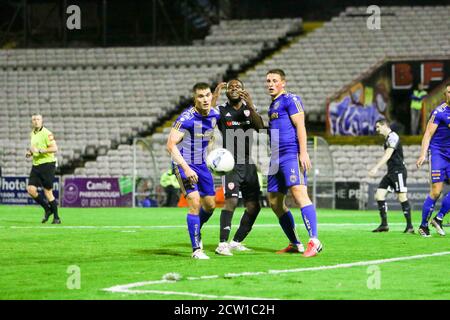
{"x":42,"y":149}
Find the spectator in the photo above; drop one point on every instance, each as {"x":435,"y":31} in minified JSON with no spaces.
{"x":416,"y":108}
{"x":171,"y":186}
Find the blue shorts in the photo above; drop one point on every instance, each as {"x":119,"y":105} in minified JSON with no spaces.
{"x":288,"y":174}
{"x":439,"y":165}
{"x":205,"y":185}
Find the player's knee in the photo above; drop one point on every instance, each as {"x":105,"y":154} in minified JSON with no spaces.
{"x":209,"y":205}
{"x":380,"y":195}
{"x":253,"y":208}
{"x":32,"y":191}
{"x":402,"y":197}
{"x":194,"y":204}
{"x":231,"y":204}
{"x":435,"y":193}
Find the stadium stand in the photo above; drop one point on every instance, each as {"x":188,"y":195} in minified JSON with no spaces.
{"x":330,"y":57}
{"x":94,"y":99}
{"x":104,"y":86}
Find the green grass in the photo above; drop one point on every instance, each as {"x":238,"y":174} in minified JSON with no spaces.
{"x":35,"y":257}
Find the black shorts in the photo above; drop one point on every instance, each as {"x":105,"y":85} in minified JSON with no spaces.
{"x":43,"y":175}
{"x":244,"y":177}
{"x":395,"y":180}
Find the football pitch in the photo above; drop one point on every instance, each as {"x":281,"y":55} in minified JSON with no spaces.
{"x":116,"y":253}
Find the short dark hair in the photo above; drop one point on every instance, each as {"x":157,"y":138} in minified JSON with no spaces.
{"x":382,"y":122}
{"x":200,"y":86}
{"x":447,"y":85}
{"x":236,"y":79}
{"x":280,"y":72}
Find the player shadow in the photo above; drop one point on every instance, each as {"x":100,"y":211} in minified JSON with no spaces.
{"x":161,"y":252}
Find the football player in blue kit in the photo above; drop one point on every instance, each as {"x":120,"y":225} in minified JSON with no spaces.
{"x":191,"y":134}
{"x":289,"y":163}
{"x":436,"y":147}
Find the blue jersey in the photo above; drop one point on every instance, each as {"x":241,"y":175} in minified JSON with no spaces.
{"x":441,"y":138}
{"x":283,"y":133}
{"x":198,"y":131}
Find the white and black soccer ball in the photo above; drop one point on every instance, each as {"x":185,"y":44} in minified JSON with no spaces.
{"x":220,"y":161}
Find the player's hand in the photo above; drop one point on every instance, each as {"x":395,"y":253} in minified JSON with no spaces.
{"x":373,"y":172}
{"x":28,"y":154}
{"x":246,"y":97}
{"x":191,"y":175}
{"x":219,"y":88}
{"x":34,"y":150}
{"x":420,"y":161}
{"x":305,"y":162}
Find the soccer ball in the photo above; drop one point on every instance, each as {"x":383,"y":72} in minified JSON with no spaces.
{"x":220,"y":161}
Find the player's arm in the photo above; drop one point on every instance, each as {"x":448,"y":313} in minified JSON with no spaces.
{"x":298,"y":120}
{"x":429,"y":132}
{"x":255,"y":118}
{"x":384,"y":159}
{"x":217,"y":92}
{"x":52,"y":147}
{"x":174,"y":138}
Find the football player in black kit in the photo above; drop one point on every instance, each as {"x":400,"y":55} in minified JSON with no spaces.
{"x":395,"y":177}
{"x":238,"y":119}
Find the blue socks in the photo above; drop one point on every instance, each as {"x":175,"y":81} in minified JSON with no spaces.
{"x":427,"y":210}
{"x":288,"y":225}
{"x":193,"y":223}
{"x":204,"y":216}
{"x":310,"y":219}
{"x":445,"y":207}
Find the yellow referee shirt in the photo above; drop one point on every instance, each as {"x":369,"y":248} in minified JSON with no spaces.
{"x":42,"y":139}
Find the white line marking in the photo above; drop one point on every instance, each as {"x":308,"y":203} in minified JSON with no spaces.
{"x":127,"y":288}
{"x":326,"y":225}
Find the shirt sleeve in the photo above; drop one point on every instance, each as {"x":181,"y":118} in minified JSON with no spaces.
{"x":181,"y":124}
{"x":295,"y":105}
{"x":49,"y":138}
{"x":436,"y":117}
{"x":393,"y":141}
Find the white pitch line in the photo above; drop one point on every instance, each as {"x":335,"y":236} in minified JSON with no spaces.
{"x":126,"y":288}
{"x":326,"y":225}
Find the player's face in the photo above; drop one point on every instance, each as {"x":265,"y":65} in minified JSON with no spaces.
{"x":36,"y":122}
{"x":447,"y":95}
{"x":275,"y":85}
{"x":234,"y":88}
{"x":203,"y":99}
{"x":381,"y":129}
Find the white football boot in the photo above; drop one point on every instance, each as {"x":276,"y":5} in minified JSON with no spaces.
{"x":238,"y":246}
{"x":223,"y":249}
{"x":199,"y":254}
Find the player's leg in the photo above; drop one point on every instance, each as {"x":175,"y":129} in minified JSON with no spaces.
{"x":296,"y":180}
{"x":437,"y":165}
{"x":193,"y":223}
{"x":192,"y":195}
{"x":428,"y":207}
{"x":48,"y":175}
{"x":251,"y":192}
{"x":309,"y":215}
{"x":207,"y":193}
{"x":436,"y":222}
{"x":252,"y":209}
{"x":231,"y":187}
{"x":226,"y":215}
{"x":406,"y":208}
{"x":380,"y":197}
{"x":286,"y":220}
{"x":33,"y":183}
